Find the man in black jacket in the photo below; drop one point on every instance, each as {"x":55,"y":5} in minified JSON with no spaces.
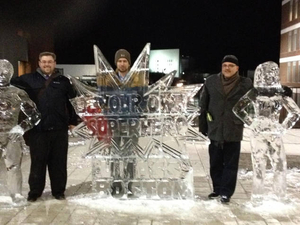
{"x":48,"y":141}
{"x":225,"y":131}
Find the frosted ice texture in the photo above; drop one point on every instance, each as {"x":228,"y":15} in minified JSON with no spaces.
{"x":138,"y":132}
{"x":260,"y":109}
{"x":13,"y":103}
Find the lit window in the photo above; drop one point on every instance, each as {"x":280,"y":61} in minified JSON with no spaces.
{"x":295,"y":40}
{"x":294,"y":71}
{"x":298,"y":78}
{"x":288,"y":78}
{"x":298,"y":38}
{"x":296,"y":9}
{"x":291,"y":10}
{"x":290,"y":42}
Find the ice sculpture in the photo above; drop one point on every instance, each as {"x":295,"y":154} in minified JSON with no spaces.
{"x":15,"y":105}
{"x":138,"y":132}
{"x":260,"y":109}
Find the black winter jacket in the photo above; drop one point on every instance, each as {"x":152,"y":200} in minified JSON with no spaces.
{"x":223,"y":125}
{"x":51,"y":98}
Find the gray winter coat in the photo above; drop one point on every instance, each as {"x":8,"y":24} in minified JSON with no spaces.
{"x":223,"y":124}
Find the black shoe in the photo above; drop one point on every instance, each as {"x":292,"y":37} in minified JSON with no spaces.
{"x":60,"y":197}
{"x":225,"y":199}
{"x":32,"y":198}
{"x":213,"y":195}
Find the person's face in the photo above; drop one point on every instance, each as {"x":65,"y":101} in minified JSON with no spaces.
{"x":271,"y":75}
{"x":123,"y":65}
{"x":6,"y":71}
{"x":47,"y":64}
{"x":229,"y":69}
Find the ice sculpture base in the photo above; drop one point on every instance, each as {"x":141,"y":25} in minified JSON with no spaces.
{"x":135,"y":178}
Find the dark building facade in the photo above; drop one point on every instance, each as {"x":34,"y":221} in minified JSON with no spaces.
{"x":21,"y":45}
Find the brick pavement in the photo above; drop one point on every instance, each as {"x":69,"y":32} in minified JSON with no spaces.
{"x":80,"y":209}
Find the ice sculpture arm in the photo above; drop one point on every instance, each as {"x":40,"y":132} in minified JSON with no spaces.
{"x":73,"y":118}
{"x":204,"y":101}
{"x":244,"y":106}
{"x":293,"y":113}
{"x":32,"y":116}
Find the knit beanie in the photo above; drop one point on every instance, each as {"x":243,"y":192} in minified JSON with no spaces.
{"x":230,"y":58}
{"x":122,"y":53}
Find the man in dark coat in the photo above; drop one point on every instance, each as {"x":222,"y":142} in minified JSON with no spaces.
{"x":225,"y":131}
{"x":48,"y":141}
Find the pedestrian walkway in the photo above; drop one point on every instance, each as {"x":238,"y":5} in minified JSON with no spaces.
{"x":81,"y":207}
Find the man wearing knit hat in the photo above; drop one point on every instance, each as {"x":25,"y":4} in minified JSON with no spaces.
{"x":230,"y":66}
{"x":225,"y":131}
{"x":123,"y":62}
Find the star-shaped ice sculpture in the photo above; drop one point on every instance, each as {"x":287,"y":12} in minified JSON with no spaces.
{"x":132,"y":110}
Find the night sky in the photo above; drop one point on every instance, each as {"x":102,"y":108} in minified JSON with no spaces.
{"x":203,"y":29}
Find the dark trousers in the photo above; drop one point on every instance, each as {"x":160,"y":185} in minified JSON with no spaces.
{"x":125,"y":156}
{"x":224,"y":161}
{"x":48,"y":148}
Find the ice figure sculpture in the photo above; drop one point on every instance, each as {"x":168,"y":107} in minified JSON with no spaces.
{"x":15,"y":105}
{"x":138,"y":132}
{"x":260,"y":109}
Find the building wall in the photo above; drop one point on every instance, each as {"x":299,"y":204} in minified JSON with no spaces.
{"x":22,"y":44}
{"x":13,"y":47}
{"x":77,"y":70}
{"x":290,"y":43}
{"x":164,"y":61}
{"x":290,"y":49}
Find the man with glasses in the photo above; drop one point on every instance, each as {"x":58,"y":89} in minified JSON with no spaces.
{"x":225,"y":131}
{"x":48,"y":141}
